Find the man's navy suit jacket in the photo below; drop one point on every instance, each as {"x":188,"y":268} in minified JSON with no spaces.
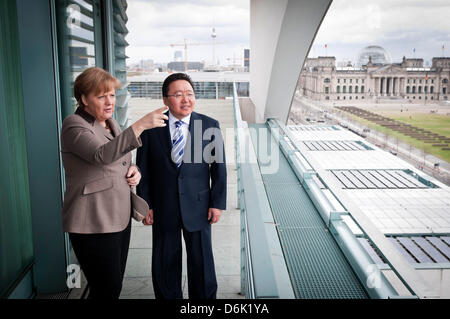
{"x":189,"y":191}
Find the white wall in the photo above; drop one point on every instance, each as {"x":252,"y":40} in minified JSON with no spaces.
{"x":266,"y":17}
{"x":281,"y":33}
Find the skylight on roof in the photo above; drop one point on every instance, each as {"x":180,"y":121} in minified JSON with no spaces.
{"x":379,"y":179}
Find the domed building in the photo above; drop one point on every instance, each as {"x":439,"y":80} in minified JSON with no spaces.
{"x":375,"y":76}
{"x":377,"y":55}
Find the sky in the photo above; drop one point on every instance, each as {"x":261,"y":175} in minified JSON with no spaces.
{"x":154,"y":25}
{"x":399,"y":26}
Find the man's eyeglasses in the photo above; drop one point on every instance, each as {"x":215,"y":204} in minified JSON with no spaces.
{"x":179,"y":95}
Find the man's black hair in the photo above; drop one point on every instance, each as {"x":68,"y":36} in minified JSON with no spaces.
{"x":175,"y":77}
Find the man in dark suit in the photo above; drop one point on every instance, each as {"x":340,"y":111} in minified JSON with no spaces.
{"x":184,"y":182}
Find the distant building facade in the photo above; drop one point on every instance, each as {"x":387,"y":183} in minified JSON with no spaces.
{"x":207,"y":85}
{"x":247,"y":59}
{"x":179,"y":66}
{"x":322,"y":80}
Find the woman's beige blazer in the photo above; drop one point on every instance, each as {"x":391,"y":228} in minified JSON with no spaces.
{"x":97,"y":197}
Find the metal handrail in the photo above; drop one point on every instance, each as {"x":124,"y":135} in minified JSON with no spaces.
{"x":263,"y":269}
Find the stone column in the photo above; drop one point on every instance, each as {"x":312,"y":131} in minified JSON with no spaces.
{"x":388,"y":86}
{"x":391,"y":84}
{"x":394,"y":86}
{"x":375,"y":86}
{"x":380,"y":86}
{"x":402,"y":86}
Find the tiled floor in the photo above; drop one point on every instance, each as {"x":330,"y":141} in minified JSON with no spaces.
{"x":225,"y":234}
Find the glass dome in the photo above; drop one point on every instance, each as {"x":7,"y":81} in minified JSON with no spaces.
{"x":378,"y":54}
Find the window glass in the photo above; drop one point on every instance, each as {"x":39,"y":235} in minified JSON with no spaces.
{"x":16,"y":237}
{"x":79,"y":44}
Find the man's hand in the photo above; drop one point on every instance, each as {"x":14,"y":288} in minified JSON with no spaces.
{"x":214,"y":215}
{"x":148,"y":221}
{"x":133,"y":176}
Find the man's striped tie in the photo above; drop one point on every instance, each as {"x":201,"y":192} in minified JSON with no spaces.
{"x":178,"y":143}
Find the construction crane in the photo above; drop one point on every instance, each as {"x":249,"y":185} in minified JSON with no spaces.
{"x":185,"y":45}
{"x":213,"y":36}
{"x":234,"y":61}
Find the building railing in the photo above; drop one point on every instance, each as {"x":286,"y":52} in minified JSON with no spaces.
{"x":263,"y":268}
{"x":203,"y":90}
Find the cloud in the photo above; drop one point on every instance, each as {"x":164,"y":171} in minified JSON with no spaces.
{"x":209,"y":3}
{"x":157,"y":24}
{"x":358,"y":21}
{"x":397,"y":25}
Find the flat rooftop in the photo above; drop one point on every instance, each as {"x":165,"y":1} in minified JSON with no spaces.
{"x":411,"y":208}
{"x":398,"y":198}
{"x":408,"y":207}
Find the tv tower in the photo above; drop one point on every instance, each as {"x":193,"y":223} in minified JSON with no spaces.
{"x":213,"y":36}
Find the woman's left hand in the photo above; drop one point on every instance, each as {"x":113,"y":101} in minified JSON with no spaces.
{"x":133,"y":176}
